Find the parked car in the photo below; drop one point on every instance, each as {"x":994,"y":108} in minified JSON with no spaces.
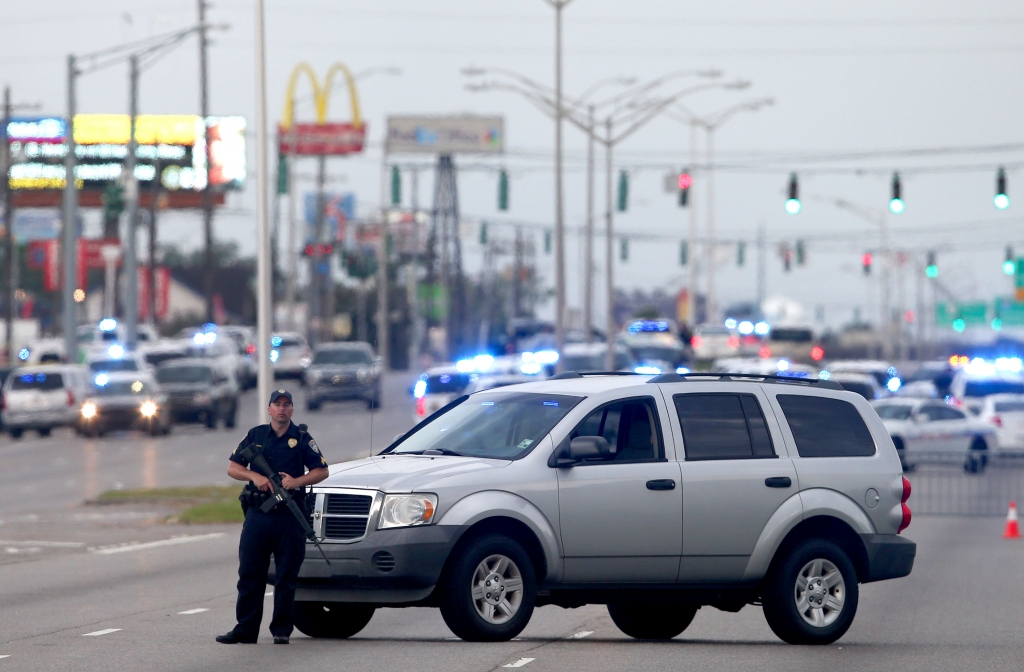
{"x":863,"y":384}
{"x":653,"y":495}
{"x":1005,"y":412}
{"x":340,"y":371}
{"x":584,"y":357}
{"x":925,"y":430}
{"x":970,"y":387}
{"x":289,"y":353}
{"x":113,"y":359}
{"x":126,"y":400}
{"x":438,"y":386}
{"x":223,"y":351}
{"x":880,"y":370}
{"x":795,"y":343}
{"x":245,"y":339}
{"x":657,"y":353}
{"x":43,"y":397}
{"x":712,"y":341}
{"x":199,"y":391}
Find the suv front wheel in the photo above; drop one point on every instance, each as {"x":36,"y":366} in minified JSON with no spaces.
{"x":811,"y":596}
{"x":333,"y":620}
{"x":489,"y":591}
{"x":645,"y":620}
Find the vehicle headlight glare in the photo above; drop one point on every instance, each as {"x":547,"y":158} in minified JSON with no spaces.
{"x":148,"y":409}
{"x":407,"y":510}
{"x":202,"y":399}
{"x":363,"y":375}
{"x":88,"y":411}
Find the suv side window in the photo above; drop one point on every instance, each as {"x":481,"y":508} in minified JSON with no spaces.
{"x":826,"y":427}
{"x":631,"y":428}
{"x":723,"y":427}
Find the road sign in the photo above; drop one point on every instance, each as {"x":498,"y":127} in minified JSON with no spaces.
{"x":334,"y":139}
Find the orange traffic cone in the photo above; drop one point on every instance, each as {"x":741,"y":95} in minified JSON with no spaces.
{"x":1012,"y":528}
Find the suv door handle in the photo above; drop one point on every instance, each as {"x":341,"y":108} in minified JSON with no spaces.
{"x":661,"y":484}
{"x":778,"y":482}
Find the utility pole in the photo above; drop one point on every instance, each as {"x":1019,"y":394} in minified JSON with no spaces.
{"x":691,"y":242}
{"x":316,"y":283}
{"x":263,"y":302}
{"x":559,"y":196}
{"x":761,"y":264}
{"x":204,"y":112}
{"x":292,"y":253}
{"x":588,"y":259}
{"x":517,"y":282}
{"x":383,"y":321}
{"x":69,"y":237}
{"x":709,"y":253}
{"x":131,"y":273}
{"x":151,"y":308}
{"x":5,"y":166}
{"x":610,"y":326}
{"x":413,"y":278}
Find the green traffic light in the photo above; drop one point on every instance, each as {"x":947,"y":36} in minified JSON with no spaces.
{"x":1009,"y":268}
{"x":932,"y":271}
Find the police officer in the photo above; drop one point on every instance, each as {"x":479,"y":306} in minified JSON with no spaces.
{"x":289,"y":453}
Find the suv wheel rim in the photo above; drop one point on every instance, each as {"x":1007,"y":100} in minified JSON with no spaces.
{"x":820,"y":593}
{"x":497,"y":589}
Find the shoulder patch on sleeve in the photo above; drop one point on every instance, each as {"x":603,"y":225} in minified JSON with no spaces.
{"x":314,"y":447}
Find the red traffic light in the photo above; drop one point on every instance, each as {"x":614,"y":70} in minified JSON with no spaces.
{"x":866,"y":258}
{"x":324,"y":249}
{"x":685,"y":180}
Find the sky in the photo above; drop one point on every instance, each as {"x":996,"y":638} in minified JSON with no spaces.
{"x":859,"y":91}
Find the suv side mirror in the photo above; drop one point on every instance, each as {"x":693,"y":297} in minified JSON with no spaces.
{"x":586,"y":447}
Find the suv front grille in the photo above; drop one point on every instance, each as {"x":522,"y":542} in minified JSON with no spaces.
{"x":344,"y":528}
{"x":348,"y":505}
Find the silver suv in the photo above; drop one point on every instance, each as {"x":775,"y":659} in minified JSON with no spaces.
{"x":653,"y":495}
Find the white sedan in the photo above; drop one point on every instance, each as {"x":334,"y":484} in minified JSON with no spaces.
{"x":1005,"y":412}
{"x":932,"y":431}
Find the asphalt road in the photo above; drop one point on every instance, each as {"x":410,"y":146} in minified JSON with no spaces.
{"x":87,"y":587}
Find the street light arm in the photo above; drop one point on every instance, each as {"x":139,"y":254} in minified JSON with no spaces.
{"x":654,"y":110}
{"x":511,"y":74}
{"x":716,"y":119}
{"x":653,"y":84}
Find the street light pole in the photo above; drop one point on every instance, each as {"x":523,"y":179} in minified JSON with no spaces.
{"x":131,"y":284}
{"x":262,"y":239}
{"x":691,"y":244}
{"x":69,"y":235}
{"x":609,"y":147}
{"x":588,"y":259}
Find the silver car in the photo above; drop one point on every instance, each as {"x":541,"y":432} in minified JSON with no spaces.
{"x":654,"y":495}
{"x":43,"y":397}
{"x":927,"y":430}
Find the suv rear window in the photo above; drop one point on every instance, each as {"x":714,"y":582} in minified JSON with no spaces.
{"x":824,"y":427}
{"x":37,"y":381}
{"x":447,"y":383}
{"x":723,"y":427}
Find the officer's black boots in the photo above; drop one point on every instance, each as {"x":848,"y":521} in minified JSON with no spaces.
{"x":280,"y":639}
{"x":233,"y":638}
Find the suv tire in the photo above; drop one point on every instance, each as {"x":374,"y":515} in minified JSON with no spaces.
{"x":649,"y":620}
{"x":231,"y":419}
{"x":815,"y":572}
{"x":44,"y":431}
{"x":211,"y":419}
{"x":489,"y":590}
{"x":15,"y":432}
{"x":332,"y":620}
{"x":312,"y":405}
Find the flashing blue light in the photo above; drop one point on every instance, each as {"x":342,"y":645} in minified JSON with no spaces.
{"x":824,"y":375}
{"x":746,"y":327}
{"x":23,"y":354}
{"x":643,"y":369}
{"x":209,"y":326}
{"x":681,"y":370}
{"x":419,"y":389}
{"x":26,"y":378}
{"x":893,"y":385}
{"x":276,"y":341}
{"x":794,"y":374}
{"x":445,"y":379}
{"x":730,"y":323}
{"x":116,"y":351}
{"x":483,"y":362}
{"x":550,"y":403}
{"x":40,"y":377}
{"x":464,"y":365}
{"x":1009,"y":364}
{"x":782,"y":365}
{"x":102,"y":379}
{"x":274,"y":354}
{"x":529,"y":368}
{"x":892,"y":372}
{"x":487,"y":403}
{"x":108,"y":324}
{"x":545,"y":357}
{"x":762,"y":328}
{"x":648,"y":326}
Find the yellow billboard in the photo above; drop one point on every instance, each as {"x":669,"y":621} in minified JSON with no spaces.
{"x":150,"y":129}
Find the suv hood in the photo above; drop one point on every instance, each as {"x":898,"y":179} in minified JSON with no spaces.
{"x":395,"y":473}
{"x":186,"y":387}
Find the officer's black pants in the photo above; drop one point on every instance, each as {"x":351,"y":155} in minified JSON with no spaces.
{"x":279,"y":533}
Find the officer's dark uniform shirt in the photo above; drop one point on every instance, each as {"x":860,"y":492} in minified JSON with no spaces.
{"x":288,"y":453}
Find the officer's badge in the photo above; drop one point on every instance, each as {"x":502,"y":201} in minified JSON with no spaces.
{"x":292,"y":443}
{"x":312,"y":444}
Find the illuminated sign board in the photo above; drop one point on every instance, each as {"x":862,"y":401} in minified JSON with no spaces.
{"x":172,"y":144}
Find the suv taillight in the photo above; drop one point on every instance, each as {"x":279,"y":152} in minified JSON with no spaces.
{"x":71,"y":398}
{"x":905,"y":522}
{"x":997,"y":421}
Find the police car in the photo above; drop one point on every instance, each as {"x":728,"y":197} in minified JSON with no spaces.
{"x":926,"y":430}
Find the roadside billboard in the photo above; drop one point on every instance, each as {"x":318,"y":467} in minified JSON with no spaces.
{"x":321,"y":139}
{"x":449,"y":134}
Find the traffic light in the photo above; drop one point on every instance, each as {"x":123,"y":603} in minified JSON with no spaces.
{"x":1009,"y":265}
{"x":896,"y":205}
{"x":865,"y":262}
{"x":312,"y":250}
{"x":623,"y":191}
{"x":787,"y":257}
{"x":547,"y":241}
{"x":932,"y":269}
{"x":793,"y":201}
{"x":396,"y":186}
{"x":684,"y":253}
{"x":801,"y":253}
{"x":1001,"y":200}
{"x":741,"y":253}
{"x":624,"y":249}
{"x":685,"y":181}
{"x":113,"y":201}
{"x":282,"y":174}
{"x":503,"y":190}
{"x":483,"y":233}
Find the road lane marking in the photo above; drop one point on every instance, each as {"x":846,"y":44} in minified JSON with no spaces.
{"x":44,"y":544}
{"x":581,"y":635}
{"x":521,"y":662}
{"x":193,"y":611}
{"x":100,"y":633}
{"x":143,"y":546}
{"x":6,"y":656}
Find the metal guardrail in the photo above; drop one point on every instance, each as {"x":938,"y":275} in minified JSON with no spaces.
{"x":947,"y":489}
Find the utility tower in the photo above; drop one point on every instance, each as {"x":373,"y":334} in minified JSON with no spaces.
{"x":445,"y":253}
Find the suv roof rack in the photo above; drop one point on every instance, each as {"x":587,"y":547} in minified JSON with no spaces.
{"x":564,"y":375}
{"x":754,"y":377}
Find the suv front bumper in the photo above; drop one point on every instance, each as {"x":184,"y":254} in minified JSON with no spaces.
{"x":889,"y":556}
{"x":399,"y":566}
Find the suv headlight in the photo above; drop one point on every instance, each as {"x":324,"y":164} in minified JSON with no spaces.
{"x":202,"y":399}
{"x":364,"y":375}
{"x":407,"y":510}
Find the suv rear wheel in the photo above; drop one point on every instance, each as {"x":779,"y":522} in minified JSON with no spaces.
{"x":811,"y":596}
{"x":647,"y":620}
{"x":333,"y":620}
{"x":489,"y":590}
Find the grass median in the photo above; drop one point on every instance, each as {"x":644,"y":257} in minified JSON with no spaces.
{"x":198,"y":505}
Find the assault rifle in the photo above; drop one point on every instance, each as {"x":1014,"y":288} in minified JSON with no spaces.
{"x":253,"y":454}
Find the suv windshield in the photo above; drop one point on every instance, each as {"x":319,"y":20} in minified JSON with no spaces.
{"x":124,"y":388}
{"x":155,"y":358}
{"x":894,"y":411}
{"x":501,"y":426}
{"x":184,"y":374}
{"x":43,"y":382}
{"x":114,"y":365}
{"x":342,"y":356}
